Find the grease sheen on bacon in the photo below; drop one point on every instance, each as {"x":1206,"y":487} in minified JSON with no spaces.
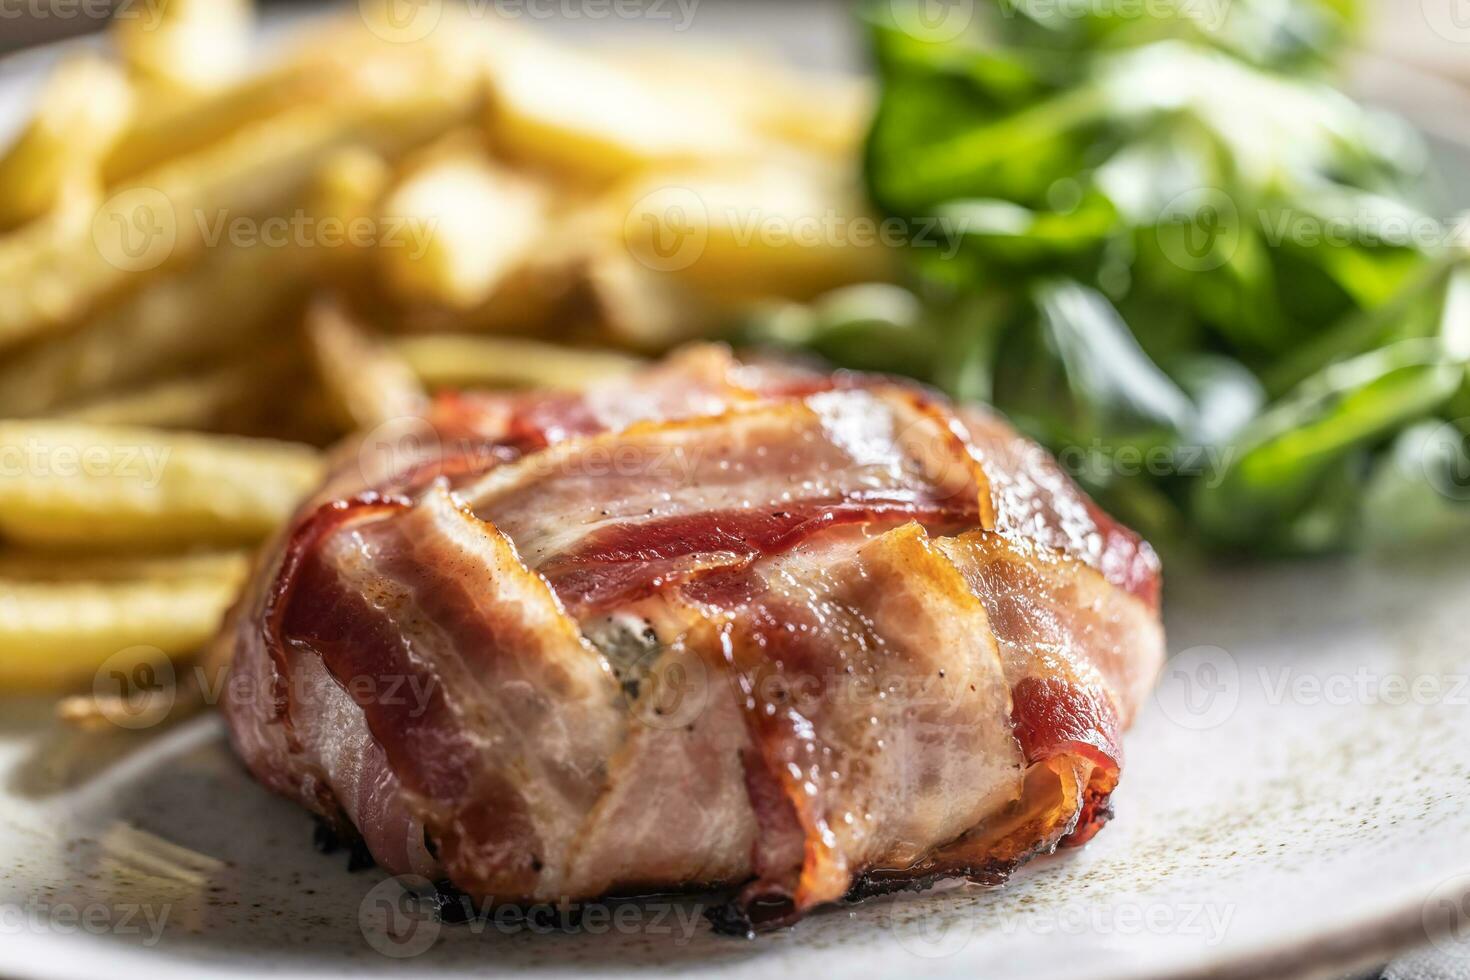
{"x":793,"y":635}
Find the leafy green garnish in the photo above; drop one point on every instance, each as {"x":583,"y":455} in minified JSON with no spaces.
{"x":1168,"y":248}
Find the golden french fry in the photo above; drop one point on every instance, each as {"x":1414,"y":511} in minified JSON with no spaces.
{"x":583,"y":115}
{"x":43,"y":566}
{"x":545,"y":294}
{"x":165,"y":129}
{"x":347,"y":189}
{"x":233,"y":300}
{"x":823,"y":112}
{"x":184,"y":44}
{"x":82,"y":110}
{"x":59,"y":633}
{"x":350,"y":182}
{"x":53,"y":271}
{"x":368,"y":382}
{"x":198,"y":400}
{"x":738,"y":233}
{"x":446,"y":360}
{"x":140,"y":708}
{"x":465,"y":223}
{"x":117,"y":487}
{"x":643,"y":308}
{"x":337,"y":65}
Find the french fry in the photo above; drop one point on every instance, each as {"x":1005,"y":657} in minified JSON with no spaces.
{"x":544,"y":295}
{"x":43,"y":566}
{"x":234,"y":299}
{"x":53,"y":271}
{"x":348,"y":187}
{"x":129,"y":311}
{"x":165,"y":129}
{"x":466,"y":223}
{"x":81,"y":112}
{"x":533,"y":299}
{"x":445,"y":360}
{"x":740,"y":233}
{"x":189,"y":45}
{"x":368,"y":382}
{"x":57,"y":633}
{"x":198,"y":400}
{"x":99,"y":713}
{"x":74,"y":486}
{"x":642,"y":308}
{"x":821,"y":112}
{"x":336,"y":65}
{"x":584,"y":116}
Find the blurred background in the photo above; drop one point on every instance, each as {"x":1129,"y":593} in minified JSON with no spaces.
{"x":1428,"y":34}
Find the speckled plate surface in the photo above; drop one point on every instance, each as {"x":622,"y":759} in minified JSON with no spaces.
{"x":1294,"y":803}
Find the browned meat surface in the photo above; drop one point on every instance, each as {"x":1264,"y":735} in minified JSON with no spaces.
{"x":790,"y":634}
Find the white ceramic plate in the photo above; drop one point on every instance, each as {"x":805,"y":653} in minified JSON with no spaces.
{"x":1293,"y":803}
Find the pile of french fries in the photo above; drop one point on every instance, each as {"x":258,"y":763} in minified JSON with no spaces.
{"x":214,"y":263}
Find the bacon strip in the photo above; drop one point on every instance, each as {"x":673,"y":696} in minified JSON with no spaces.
{"x":1038,"y":504}
{"x":607,"y":517}
{"x":1080,"y":654}
{"x":794,"y":634}
{"x":871,"y":687}
{"x":506,"y":685}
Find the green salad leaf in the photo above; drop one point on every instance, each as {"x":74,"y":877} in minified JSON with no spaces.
{"x":1156,"y":236}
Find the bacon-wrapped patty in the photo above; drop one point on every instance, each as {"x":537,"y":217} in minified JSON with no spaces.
{"x":751,"y":627}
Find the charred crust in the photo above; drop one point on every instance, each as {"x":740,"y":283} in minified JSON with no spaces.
{"x":328,"y":837}
{"x":1097,"y":810}
{"x":359,"y":858}
{"x":729,"y":919}
{"x":871,"y":884}
{"x":324,"y":838}
{"x":747,"y":915}
{"x":453,"y":905}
